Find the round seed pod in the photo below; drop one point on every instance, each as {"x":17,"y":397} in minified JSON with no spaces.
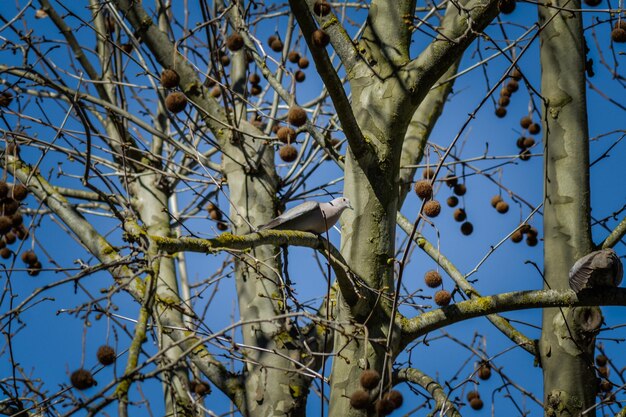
{"x":516,"y":74}
{"x":534,"y":128}
{"x":592,"y":3}
{"x":288,"y":153}
{"x":460,"y":189}
{"x":506,"y":6}
{"x":433,"y":279}
{"x":495,"y":200}
{"x":4,"y":189}
{"x":29,"y":257}
{"x":452,"y":201}
{"x":502,"y":207}
{"x":105,"y":355}
{"x":359,"y":400}
{"x":19,"y":192}
{"x":215,"y":214}
{"x":428,"y":174}
{"x":476,"y":403}
{"x":432,"y":208}
{"x":170,"y":78}
{"x":618,"y":35}
{"x":210,"y":82}
{"x":10,"y":238}
{"x":5,"y":224}
{"x":276,"y":45}
{"x":383,"y":407}
{"x":529,"y":142}
{"x":34,"y":270}
{"x":451,"y":180}
{"x":605,"y":386}
{"x":234,"y":42}
{"x":286,"y":134}
{"x":297,"y":116}
{"x":5,"y":99}
{"x":255,"y":90}
{"x":459,"y":215}
{"x":520,"y":143}
{"x":517,"y":236}
{"x":82,"y":379}
{"x":224,"y":60}
{"x":254,"y":78}
{"x":524,"y":155}
{"x":531,"y":241}
{"x":216,"y":91}
{"x":210,"y":206}
{"x":303,"y":63}
{"x":321,"y":8}
{"x":127,"y":47}
{"x":175,"y":102}
{"x":603,"y":371}
{"x":500,"y":112}
{"x":525,"y":122}
{"x":423,"y":189}
{"x":472,"y":394}
{"x":300,"y":76}
{"x":320,"y":39}
{"x":504,"y":101}
{"x":512,"y":86}
{"x":484,"y":371}
{"x":369,"y":379}
{"x":601,"y":360}
{"x":200,"y":388}
{"x":9,"y":206}
{"x":442,"y":298}
{"x":504,"y":92}
{"x":271,"y":39}
{"x":467,"y":228}
{"x":5,"y":253}
{"x":222,"y":227}
{"x":293,"y":57}
{"x":395,"y":397}
{"x":21,"y":232}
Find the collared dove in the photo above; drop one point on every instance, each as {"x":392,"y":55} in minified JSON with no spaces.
{"x":601,"y":268}
{"x":310,"y":216}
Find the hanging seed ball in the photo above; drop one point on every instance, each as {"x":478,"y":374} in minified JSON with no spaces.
{"x":271,"y":39}
{"x":10,"y":206}
{"x":603,"y":371}
{"x":296,"y":116}
{"x":288,"y":153}
{"x":321,"y":8}
{"x":369,"y":378}
{"x":517,"y":236}
{"x":500,"y":112}
{"x":254,"y":78}
{"x":506,"y":6}
{"x":211,"y":206}
{"x":293,"y":57}
{"x":531,"y":241}
{"x":29,"y":257}
{"x":601,"y":360}
{"x":5,"y":99}
{"x":452,"y":201}
{"x":5,"y":253}
{"x":222,"y":227}
{"x":82,"y":379}
{"x":472,"y":394}
{"x":512,"y":86}
{"x":476,"y":403}
{"x":451,"y":180}
{"x":127,"y":47}
{"x":276,"y":45}
{"x":175,"y":102}
{"x":34,"y":270}
{"x":105,"y":355}
{"x":529,"y":142}
{"x":467,"y":228}
{"x":484,"y":371}
{"x":442,"y":298}
{"x":618,"y":34}
{"x":384,"y":407}
{"x":359,"y":400}
{"x":19,"y":192}
{"x":320,"y":38}
{"x":525,"y":122}
{"x":460,"y":189}
{"x":286,"y":134}
{"x":215,"y":214}
{"x":234,"y":42}
{"x":524,"y":155}
{"x":516,"y":74}
{"x":432,"y":208}
{"x":300,"y":76}
{"x":216,"y":91}
{"x":395,"y":397}
{"x":10,"y":238}
{"x":502,"y":207}
{"x":432,"y":279}
{"x":592,"y":3}
{"x":504,"y":92}
{"x":534,"y":128}
{"x":5,"y":224}
{"x":503,"y":101}
{"x":255,"y":90}
{"x":495,"y":200}
{"x":520,"y":143}
{"x":428,"y":174}
{"x":4,"y":189}
{"x":303,"y":63}
{"x":605,"y":386}
{"x":21,"y":232}
{"x":459,"y":215}
{"x":170,"y":78}
{"x":423,"y":189}
{"x":200,"y":388}
{"x":225,"y":60}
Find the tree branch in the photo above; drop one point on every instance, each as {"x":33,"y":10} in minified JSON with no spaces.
{"x":442,"y":403}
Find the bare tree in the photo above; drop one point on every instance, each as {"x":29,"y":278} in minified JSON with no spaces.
{"x":141,"y":135}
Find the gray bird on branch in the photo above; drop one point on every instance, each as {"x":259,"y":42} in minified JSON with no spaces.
{"x":310,"y":216}
{"x":601,"y":268}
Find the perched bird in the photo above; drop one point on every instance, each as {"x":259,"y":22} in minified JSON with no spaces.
{"x":310,"y":216}
{"x":601,"y":268}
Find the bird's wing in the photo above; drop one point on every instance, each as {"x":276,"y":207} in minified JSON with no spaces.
{"x":581,"y":272}
{"x":619,"y":268}
{"x":299,"y":212}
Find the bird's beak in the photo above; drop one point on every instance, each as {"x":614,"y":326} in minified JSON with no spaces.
{"x":350,"y":206}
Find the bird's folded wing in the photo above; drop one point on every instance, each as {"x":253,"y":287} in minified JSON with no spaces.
{"x":579,"y":278}
{"x":300,"y":212}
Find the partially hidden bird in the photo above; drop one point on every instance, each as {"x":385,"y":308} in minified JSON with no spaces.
{"x":601,"y":268}
{"x":310,"y":216}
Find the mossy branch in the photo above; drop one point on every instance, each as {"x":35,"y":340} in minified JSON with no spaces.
{"x":442,"y":403}
{"x":616,"y":235}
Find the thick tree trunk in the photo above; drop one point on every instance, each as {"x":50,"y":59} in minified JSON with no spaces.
{"x":568,"y":336}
